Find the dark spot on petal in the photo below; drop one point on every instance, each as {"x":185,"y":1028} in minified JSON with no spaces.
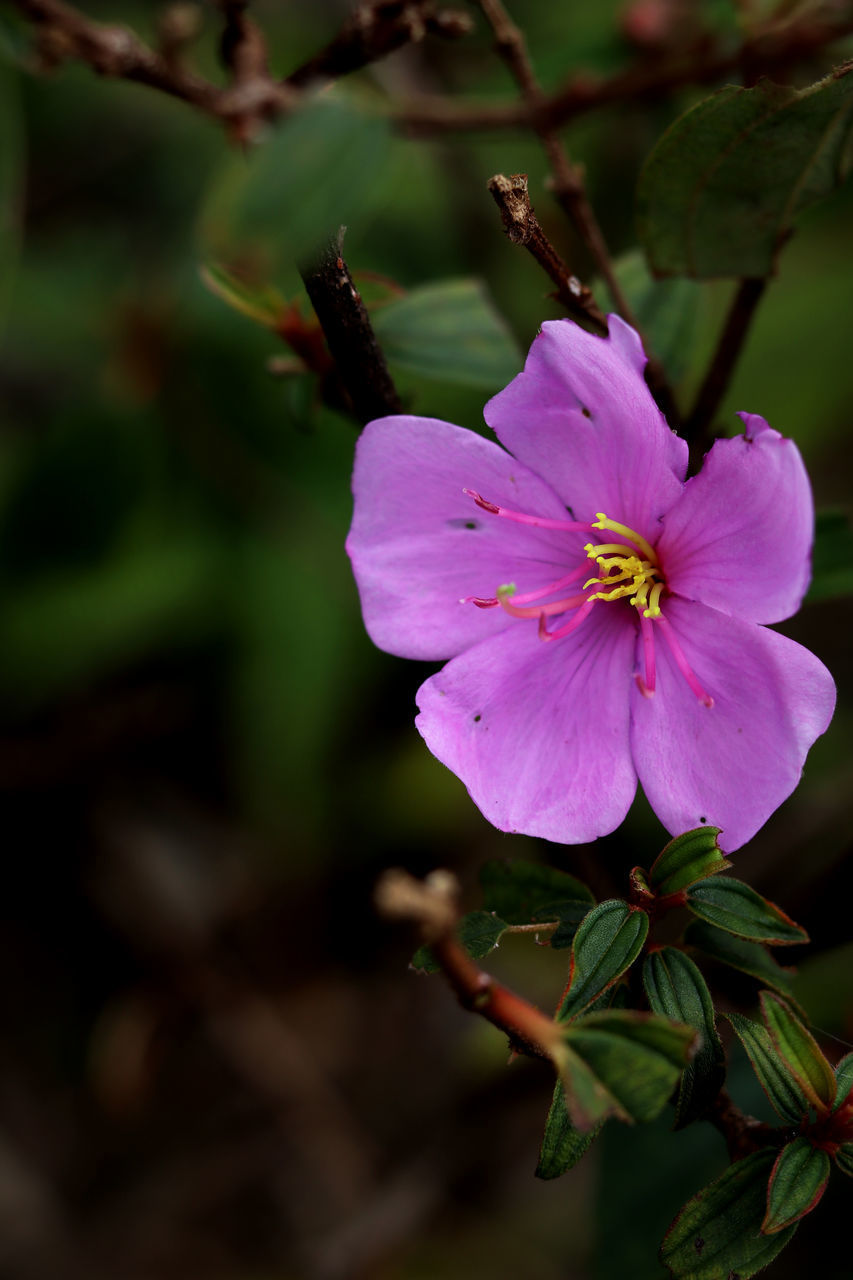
{"x":477,"y":719}
{"x":702,"y":820}
{"x":586,"y":413}
{"x":463,"y":522}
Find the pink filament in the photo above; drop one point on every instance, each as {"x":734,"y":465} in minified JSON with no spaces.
{"x":646,"y":682}
{"x":681,"y":662}
{"x":583,"y":612}
{"x":540,"y":522}
{"x":540,"y":610}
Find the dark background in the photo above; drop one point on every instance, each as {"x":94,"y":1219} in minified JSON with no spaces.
{"x":214,"y":1061}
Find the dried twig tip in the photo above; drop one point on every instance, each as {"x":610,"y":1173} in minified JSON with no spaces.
{"x":431,"y":903}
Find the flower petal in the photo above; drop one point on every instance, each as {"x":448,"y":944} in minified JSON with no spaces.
{"x":582,"y":415}
{"x":739,"y":538}
{"x":418,"y":544}
{"x":538,"y":732}
{"x":732,"y":764}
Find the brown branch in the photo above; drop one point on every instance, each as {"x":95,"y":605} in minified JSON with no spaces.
{"x":117,"y":52}
{"x":762,"y":53}
{"x":521,"y":226}
{"x":697,"y":428}
{"x":570,"y":191}
{"x":432,"y":905}
{"x":375,"y":30}
{"x":349,"y":334}
{"x":743,"y":1133}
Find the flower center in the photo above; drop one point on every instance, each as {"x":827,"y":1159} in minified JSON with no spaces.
{"x":626,"y":569}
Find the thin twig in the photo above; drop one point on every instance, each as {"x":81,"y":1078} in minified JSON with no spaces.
{"x":570,"y":191}
{"x":117,"y":52}
{"x":568,"y":183}
{"x":346,"y":325}
{"x":743,"y":1133}
{"x":375,"y":30}
{"x":431,"y":904}
{"x":697,"y":428}
{"x":761,"y":53}
{"x":521,"y":225}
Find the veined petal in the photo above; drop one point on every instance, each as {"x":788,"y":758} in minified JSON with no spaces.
{"x":418,"y":544}
{"x":538,"y":732}
{"x":582,"y":415}
{"x":732,"y":764}
{"x":740,"y":536}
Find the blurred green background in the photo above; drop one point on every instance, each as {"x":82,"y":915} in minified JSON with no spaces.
{"x":214,"y":1062}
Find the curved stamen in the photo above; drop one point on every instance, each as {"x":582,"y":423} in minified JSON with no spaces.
{"x":653,"y":610}
{"x":540,"y":610}
{"x":526,"y":596}
{"x":583,"y":612}
{"x":540,"y":522}
{"x":601,"y":521}
{"x":682,"y":663}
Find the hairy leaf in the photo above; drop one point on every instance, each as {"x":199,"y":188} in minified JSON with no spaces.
{"x":844,"y":1080}
{"x":479,"y":932}
{"x":734,"y":906}
{"x":718,"y":1233}
{"x":675,"y":987}
{"x":607,"y":942}
{"x":523,"y":892}
{"x":748,"y":957}
{"x":797,"y":1183}
{"x":693,"y":856}
{"x":562,"y":1144}
{"x":785,"y":1095}
{"x":635,"y":1059}
{"x":799,"y":1051}
{"x":720,"y":191}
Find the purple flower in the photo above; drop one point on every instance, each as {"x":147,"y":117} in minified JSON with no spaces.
{"x":602,"y":615}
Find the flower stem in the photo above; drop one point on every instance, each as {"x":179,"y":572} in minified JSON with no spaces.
{"x":431,"y":904}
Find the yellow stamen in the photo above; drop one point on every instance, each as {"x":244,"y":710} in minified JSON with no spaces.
{"x":653,"y":611}
{"x":601,"y":521}
{"x":603,"y":548}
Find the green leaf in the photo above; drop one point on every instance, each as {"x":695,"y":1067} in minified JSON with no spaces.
{"x":844,"y":1081}
{"x":634,"y":1059}
{"x":799,"y":1051}
{"x":748,"y":957}
{"x":607,"y":942}
{"x":734,"y":906}
{"x":260,"y":303}
{"x":797,"y":1182}
{"x":720,"y":191}
{"x":785,"y":1095}
{"x":832,"y":557}
{"x":718,"y":1232}
{"x":523,"y":892}
{"x":675,"y":987}
{"x":326,"y":165}
{"x":686,"y":859}
{"x":479,"y":932}
{"x":449,"y":330}
{"x":562,"y":1144}
{"x":844,"y":1158}
{"x":666,"y":309}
